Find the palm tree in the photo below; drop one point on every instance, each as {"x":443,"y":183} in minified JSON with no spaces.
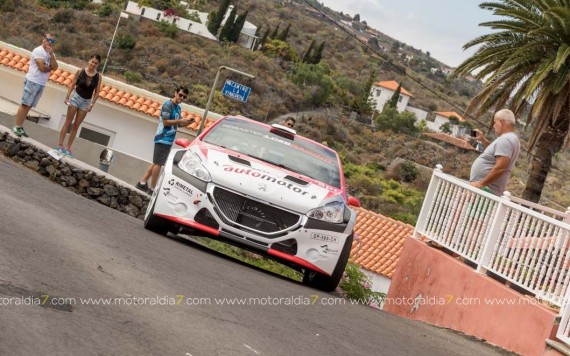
{"x":525,"y":63}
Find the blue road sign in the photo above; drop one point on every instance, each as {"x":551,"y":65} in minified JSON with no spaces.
{"x":235,"y":90}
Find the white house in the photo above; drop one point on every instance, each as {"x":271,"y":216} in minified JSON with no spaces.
{"x":381,"y":92}
{"x":247,"y":36}
{"x":124,"y":118}
{"x":443,"y":117}
{"x":420,"y":114}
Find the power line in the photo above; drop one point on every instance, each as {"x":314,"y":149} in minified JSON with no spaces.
{"x":399,"y":70}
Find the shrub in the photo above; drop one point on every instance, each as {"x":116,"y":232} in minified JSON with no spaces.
{"x":62,"y":16}
{"x":105,"y":10}
{"x":133,"y":78}
{"x":408,"y":171}
{"x":169,"y":29}
{"x":355,"y":285}
{"x":7,"y":5}
{"x":126,"y":41}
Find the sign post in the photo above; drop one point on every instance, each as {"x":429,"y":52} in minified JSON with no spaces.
{"x":214,"y":88}
{"x":236,"y":91}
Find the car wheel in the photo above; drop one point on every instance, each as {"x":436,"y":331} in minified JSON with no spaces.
{"x":154,"y":223}
{"x":329,"y":283}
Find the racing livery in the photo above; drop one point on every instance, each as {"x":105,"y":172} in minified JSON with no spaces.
{"x":263,"y":188}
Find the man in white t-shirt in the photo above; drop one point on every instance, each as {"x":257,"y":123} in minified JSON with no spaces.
{"x":42,"y":62}
{"x":492,"y":169}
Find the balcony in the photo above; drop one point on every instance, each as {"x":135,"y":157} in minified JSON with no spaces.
{"x":521,"y":244}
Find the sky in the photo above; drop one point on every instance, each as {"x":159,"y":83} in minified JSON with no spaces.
{"x":441,"y":27}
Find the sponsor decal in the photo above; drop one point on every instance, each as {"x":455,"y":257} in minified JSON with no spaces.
{"x":168,"y":193}
{"x":267,"y":178}
{"x":326,"y":249}
{"x":262,"y":187}
{"x":324,"y":238}
{"x":180,"y":186}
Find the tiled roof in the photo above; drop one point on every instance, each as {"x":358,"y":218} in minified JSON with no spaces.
{"x":449,"y":114}
{"x":109,"y":93}
{"x":455,"y":141}
{"x":393,"y":86}
{"x":380,"y":242}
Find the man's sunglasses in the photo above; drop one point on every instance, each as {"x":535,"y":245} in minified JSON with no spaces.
{"x":289,"y":124}
{"x":183,"y":96}
{"x":50,"y":40}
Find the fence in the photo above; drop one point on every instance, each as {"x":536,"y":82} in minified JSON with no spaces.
{"x":524,"y":243}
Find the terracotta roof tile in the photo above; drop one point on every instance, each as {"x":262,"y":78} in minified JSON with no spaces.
{"x":118,"y":96}
{"x":381,"y":242}
{"x":449,"y":114}
{"x":392,"y":85}
{"x":455,"y":141}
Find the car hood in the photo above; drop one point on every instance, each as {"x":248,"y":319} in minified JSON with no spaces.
{"x":264,"y":181}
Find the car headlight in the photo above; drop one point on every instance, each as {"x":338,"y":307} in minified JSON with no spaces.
{"x":332,"y":212}
{"x":192,"y":164}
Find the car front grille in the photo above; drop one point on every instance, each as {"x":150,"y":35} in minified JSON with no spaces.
{"x":252,"y":214}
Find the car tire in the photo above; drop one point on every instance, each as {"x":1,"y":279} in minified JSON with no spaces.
{"x":154,"y":223}
{"x":329,"y":283}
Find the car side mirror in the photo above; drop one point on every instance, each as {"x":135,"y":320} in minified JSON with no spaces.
{"x":182,"y":142}
{"x":352,"y":201}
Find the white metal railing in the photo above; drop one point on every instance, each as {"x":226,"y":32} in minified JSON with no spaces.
{"x":525,"y":243}
{"x":525,"y":247}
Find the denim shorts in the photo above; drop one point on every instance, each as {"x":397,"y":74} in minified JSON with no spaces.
{"x":32,"y":93}
{"x":79,"y":102}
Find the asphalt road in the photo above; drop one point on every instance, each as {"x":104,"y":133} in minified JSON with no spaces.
{"x":57,"y":250}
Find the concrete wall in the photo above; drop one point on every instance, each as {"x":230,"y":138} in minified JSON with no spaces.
{"x":433,"y":287}
{"x":124,"y":166}
{"x":420,"y":114}
{"x":379,"y":283}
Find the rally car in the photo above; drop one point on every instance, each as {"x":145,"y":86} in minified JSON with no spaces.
{"x":263,"y":188}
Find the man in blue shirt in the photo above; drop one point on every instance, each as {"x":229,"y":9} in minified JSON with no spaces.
{"x":170,"y":119}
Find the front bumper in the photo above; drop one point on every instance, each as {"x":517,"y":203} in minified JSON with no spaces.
{"x":287,"y":236}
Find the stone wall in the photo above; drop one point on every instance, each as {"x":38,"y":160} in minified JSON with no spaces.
{"x":86,"y":183}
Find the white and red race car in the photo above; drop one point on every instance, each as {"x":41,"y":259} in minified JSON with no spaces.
{"x":262,"y":188}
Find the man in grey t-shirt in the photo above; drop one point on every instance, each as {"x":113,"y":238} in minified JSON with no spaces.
{"x":493,"y":167}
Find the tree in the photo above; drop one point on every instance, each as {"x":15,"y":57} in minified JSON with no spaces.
{"x":391,"y":120}
{"x":393,"y":103}
{"x":316,"y":58}
{"x":238,"y":26}
{"x":226,"y":32}
{"x":275,"y":32}
{"x":364,"y":104}
{"x":526,"y":59}
{"x":265,"y":35}
{"x":283,"y":35}
{"x":216,"y":17}
{"x":307,"y":55}
{"x":373,"y":42}
{"x":445,"y":128}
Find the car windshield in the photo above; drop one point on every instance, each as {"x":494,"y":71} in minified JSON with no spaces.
{"x":290,"y":152}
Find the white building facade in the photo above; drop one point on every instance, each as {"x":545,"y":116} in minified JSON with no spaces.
{"x":382,"y":92}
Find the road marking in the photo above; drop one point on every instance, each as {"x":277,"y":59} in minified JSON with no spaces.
{"x":251,"y":348}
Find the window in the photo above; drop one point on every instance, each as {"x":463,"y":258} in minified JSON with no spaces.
{"x":97,"y":134}
{"x":142,"y":11}
{"x":158,"y":16}
{"x":174,"y":22}
{"x":378,"y":92}
{"x":400,"y":98}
